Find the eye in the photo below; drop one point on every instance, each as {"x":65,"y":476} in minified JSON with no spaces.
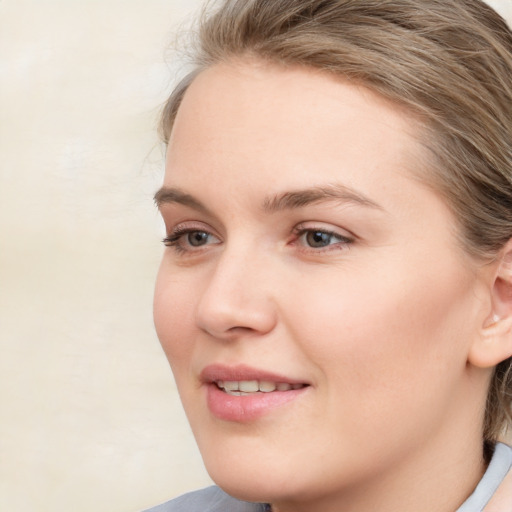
{"x":318,"y":239}
{"x":184,"y":239}
{"x":197,"y":238}
{"x":315,"y":238}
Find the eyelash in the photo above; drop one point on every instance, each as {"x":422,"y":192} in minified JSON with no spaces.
{"x":175,"y":239}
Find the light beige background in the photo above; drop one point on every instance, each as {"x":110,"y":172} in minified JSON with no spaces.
{"x":89,"y":415}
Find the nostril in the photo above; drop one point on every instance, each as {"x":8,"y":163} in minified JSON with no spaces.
{"x":240,"y":330}
{"x":231,"y":333}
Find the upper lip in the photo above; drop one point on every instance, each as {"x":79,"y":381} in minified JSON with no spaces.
{"x":242,"y":372}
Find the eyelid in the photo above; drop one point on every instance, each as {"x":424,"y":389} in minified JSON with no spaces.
{"x":194,"y":225}
{"x":326,"y":228}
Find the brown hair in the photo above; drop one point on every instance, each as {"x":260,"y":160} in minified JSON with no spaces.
{"x":449,"y":62}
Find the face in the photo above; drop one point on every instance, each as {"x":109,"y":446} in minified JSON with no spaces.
{"x":312,"y":300}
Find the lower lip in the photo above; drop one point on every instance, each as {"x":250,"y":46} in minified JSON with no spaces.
{"x":246,"y":408}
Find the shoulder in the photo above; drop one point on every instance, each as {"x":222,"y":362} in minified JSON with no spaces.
{"x":211,"y":499}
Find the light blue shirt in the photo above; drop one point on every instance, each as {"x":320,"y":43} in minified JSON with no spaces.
{"x":213,"y":499}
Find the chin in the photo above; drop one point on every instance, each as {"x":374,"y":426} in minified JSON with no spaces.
{"x":251,"y":477}
{"x":256,"y":486}
{"x":265,"y":476}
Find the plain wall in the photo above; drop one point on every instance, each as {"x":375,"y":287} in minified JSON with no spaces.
{"x":90,"y":417}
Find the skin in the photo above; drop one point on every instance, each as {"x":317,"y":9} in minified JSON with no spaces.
{"x":380,"y":321}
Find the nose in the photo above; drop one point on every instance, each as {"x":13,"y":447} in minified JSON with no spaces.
{"x":237,"y":299}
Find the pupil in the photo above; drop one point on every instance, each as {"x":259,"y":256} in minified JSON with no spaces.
{"x":318,"y":239}
{"x":197,"y":238}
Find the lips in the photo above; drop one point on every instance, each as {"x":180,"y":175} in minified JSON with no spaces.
{"x":219,"y":372}
{"x":243,"y":394}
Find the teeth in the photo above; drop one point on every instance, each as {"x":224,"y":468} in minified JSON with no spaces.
{"x":230,"y":386}
{"x":267,"y":387}
{"x":245,"y":387}
{"x":248,"y":386}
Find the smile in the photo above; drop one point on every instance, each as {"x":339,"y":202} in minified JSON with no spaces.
{"x":250,"y":387}
{"x":243,"y":394}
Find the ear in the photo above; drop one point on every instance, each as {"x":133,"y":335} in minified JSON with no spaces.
{"x":494,"y":344}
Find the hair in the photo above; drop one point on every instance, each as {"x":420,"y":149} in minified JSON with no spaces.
{"x":448,"y":62}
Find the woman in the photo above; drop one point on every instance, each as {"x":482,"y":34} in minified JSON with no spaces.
{"x":335,"y":297}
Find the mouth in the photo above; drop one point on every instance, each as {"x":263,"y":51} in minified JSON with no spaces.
{"x":243,"y":394}
{"x":252,"y":387}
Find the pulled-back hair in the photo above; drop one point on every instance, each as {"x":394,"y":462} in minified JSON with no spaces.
{"x":448,"y":62}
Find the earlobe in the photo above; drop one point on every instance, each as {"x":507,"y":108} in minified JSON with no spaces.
{"x":494,"y":342}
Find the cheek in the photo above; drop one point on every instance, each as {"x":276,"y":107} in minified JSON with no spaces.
{"x":172,"y":312}
{"x":371,"y":334}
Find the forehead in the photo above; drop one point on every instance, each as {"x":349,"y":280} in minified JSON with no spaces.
{"x":247,"y":112}
{"x":270,"y":129}
{"x":288,"y":93}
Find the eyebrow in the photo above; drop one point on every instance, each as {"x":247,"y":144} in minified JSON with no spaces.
{"x":302,"y":198}
{"x":286,"y":201}
{"x":168,"y":195}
